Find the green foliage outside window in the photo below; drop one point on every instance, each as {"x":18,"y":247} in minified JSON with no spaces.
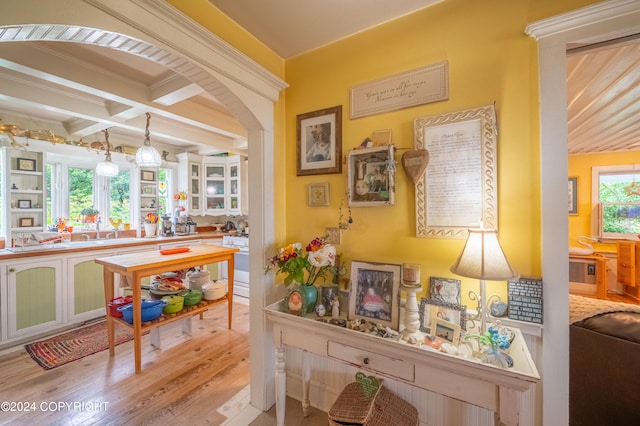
{"x":620,"y":204}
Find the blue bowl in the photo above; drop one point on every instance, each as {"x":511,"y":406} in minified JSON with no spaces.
{"x":151,"y":309}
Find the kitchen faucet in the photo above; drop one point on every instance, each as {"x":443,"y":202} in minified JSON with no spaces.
{"x":98,"y":222}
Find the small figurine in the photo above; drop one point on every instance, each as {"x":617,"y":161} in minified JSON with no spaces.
{"x":335,"y":307}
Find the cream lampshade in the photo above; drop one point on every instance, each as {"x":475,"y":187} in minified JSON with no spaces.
{"x":483,"y":258}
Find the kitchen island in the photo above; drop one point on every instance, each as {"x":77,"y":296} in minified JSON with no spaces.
{"x":138,"y":265}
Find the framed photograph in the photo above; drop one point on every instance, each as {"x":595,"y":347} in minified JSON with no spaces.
{"x":447,"y":330}
{"x":295,"y":302}
{"x":430,"y":310}
{"x":329,"y":296}
{"x":318,"y":194}
{"x":573,"y":195}
{"x":375,"y":293}
{"x":24,"y":222}
{"x":459,"y":189}
{"x":26,"y":164}
{"x":24,"y":204}
{"x":319,"y":142}
{"x":148,"y":175}
{"x":445,"y":290}
{"x":371,"y":176}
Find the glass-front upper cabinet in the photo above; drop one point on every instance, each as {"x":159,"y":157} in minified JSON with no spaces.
{"x":190,"y":180}
{"x":214,"y":177}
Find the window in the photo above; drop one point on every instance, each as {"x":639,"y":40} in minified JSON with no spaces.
{"x":616,"y":192}
{"x":119,"y":198}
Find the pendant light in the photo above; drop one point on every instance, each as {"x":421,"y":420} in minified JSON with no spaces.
{"x":146,"y":155}
{"x":106,"y":167}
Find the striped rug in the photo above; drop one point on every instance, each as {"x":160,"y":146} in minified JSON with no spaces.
{"x":74,"y":345}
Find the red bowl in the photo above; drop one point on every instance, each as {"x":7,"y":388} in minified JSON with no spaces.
{"x":114,"y":304}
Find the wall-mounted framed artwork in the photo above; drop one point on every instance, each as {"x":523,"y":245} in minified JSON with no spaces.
{"x":573,"y":195}
{"x":319,"y":142}
{"x":318,"y":194}
{"x":459,"y":189}
{"x":371,"y":176}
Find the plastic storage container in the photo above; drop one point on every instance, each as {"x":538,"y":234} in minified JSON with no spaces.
{"x":114,"y":304}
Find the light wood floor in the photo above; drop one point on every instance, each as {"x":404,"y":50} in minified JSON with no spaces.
{"x":183,"y":383}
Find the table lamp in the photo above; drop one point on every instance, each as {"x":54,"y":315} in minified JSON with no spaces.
{"x":482,"y":258}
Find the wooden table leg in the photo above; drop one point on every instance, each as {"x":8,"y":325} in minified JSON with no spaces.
{"x":137,"y":321}
{"x":230,"y":269}
{"x":281,"y":385}
{"x":107,"y":275}
{"x":306,"y":380}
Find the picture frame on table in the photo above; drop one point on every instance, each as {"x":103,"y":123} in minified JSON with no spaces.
{"x":295,"y":302}
{"x":371,"y":176}
{"x":431,"y":310}
{"x":447,"y":331}
{"x":26,"y":164}
{"x":25,"y":222}
{"x":24,"y":204}
{"x":445,"y":290}
{"x":573,"y":195}
{"x":319,"y":142}
{"x":328,"y":295}
{"x":375,"y":293}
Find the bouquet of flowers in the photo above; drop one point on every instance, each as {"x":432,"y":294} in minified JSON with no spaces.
{"x":182,"y":195}
{"x":304,"y":266}
{"x":151,"y":218}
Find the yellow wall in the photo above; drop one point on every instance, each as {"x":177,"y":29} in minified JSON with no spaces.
{"x":580,"y":167}
{"x":490,"y":60}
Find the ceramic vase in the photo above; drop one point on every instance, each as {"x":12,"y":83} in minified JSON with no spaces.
{"x":310,"y":296}
{"x":150,"y":229}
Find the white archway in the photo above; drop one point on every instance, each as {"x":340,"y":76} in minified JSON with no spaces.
{"x":158,"y":32}
{"x":602,"y":21}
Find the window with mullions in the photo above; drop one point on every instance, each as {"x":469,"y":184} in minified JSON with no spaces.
{"x":618,"y":199}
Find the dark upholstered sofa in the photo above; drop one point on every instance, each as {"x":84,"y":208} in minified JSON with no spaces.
{"x":604,"y":374}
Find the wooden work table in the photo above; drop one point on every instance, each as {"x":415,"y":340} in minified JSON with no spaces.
{"x":138,"y":265}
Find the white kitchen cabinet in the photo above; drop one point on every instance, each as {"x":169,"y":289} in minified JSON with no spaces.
{"x":223,"y":185}
{"x":85,"y":292}
{"x":23,"y":192}
{"x":35,"y":296}
{"x":190,"y":180}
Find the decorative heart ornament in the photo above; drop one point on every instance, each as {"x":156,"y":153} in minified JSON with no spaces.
{"x":415,"y":163}
{"x":368,"y":384}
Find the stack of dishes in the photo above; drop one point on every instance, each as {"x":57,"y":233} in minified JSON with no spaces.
{"x":166,"y":284}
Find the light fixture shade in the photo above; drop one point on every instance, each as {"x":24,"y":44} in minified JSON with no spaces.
{"x":107,"y":168}
{"x":146,"y":155}
{"x":482,"y":258}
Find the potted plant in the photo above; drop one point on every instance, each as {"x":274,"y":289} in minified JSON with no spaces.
{"x":89,"y":215}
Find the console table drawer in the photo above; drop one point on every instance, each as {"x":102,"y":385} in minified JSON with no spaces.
{"x":383,"y":364}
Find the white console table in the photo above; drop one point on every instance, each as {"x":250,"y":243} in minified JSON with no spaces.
{"x":499,"y":390}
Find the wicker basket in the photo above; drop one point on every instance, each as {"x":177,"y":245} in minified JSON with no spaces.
{"x":383,"y":409}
